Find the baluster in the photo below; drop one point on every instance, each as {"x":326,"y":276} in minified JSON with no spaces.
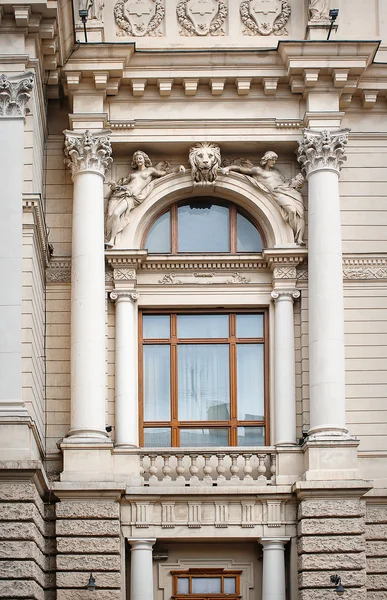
{"x":273,"y":468}
{"x":166,"y":469}
{"x":142,"y":469}
{"x":207,"y":469}
{"x":247,"y":469}
{"x":234,"y":469}
{"x":262,"y":469}
{"x":153,"y":469}
{"x":194,"y":469}
{"x":221,"y":469}
{"x":180,"y":469}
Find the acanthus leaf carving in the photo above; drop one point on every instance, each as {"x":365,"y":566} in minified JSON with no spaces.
{"x":322,"y":150}
{"x":265,"y":17}
{"x":238,"y":278}
{"x":202,"y":17}
{"x":88,"y":151}
{"x":139,"y":17}
{"x":15,"y":93}
{"x":170,"y":279}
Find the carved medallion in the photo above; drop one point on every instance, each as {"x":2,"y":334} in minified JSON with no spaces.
{"x":201,"y":17}
{"x":265,"y":17}
{"x":139,"y":17}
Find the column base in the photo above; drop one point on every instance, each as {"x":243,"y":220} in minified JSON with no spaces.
{"x":86,"y":434}
{"x":331,"y":458}
{"x":87,"y":459}
{"x":327,"y":432}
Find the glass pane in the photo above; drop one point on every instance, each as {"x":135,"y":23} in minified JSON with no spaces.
{"x":248,"y":237}
{"x":249,"y":326}
{"x":201,"y":438}
{"x":203,"y":229}
{"x":229,"y":585}
{"x":156,"y":383}
{"x":159,"y":236}
{"x":206,"y":585}
{"x":157,"y":437}
{"x":202,"y":326}
{"x":183,"y":585}
{"x":251,"y":436}
{"x":203,"y":382}
{"x":250,"y":389}
{"x":155,"y":327}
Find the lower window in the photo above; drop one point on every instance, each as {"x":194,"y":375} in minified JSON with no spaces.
{"x":206,"y":583}
{"x":203,"y":379}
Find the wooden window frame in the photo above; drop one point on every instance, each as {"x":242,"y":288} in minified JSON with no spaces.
{"x":197,"y":573}
{"x":233,"y":211}
{"x":232,"y":341}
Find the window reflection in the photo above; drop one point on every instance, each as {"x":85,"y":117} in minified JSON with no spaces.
{"x":203,"y":229}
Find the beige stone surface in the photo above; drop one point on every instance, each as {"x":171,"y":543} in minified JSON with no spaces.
{"x":377,"y":582}
{"x":85,"y":595}
{"x":375,"y":548}
{"x":376,"y":514}
{"x":88,"y":545}
{"x":21,"y":589}
{"x":320,"y":562}
{"x":25,"y":569}
{"x":331,"y":508}
{"x":331,"y":544}
{"x":329,"y":594}
{"x":77,"y":579}
{"x":86,"y":562}
{"x":22,"y":550}
{"x":376,"y":532}
{"x":330,"y":526}
{"x":11,"y":511}
{"x":87,"y":510}
{"x":88,"y":528}
{"x":376,"y":565}
{"x":317,"y":579}
{"x":22,"y":531}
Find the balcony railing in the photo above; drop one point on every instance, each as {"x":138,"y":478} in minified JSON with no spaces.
{"x":210,"y":467}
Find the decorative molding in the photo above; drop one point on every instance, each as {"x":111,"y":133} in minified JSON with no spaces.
{"x":238,"y":278}
{"x":109,"y":277}
{"x":248,"y":514}
{"x":59,"y":271}
{"x":201,"y":17}
{"x":15,"y":93}
{"x":221,"y":514}
{"x":88,"y":151}
{"x":142,"y":512}
{"x":261,"y":19}
{"x":278,"y":295}
{"x":170,"y":279}
{"x":168,"y":515}
{"x":33,"y":203}
{"x":139,"y":19}
{"x":194,"y":515}
{"x":124,"y":274}
{"x":322,"y":150}
{"x":363,"y":272}
{"x":302,"y":274}
{"x":285,"y":273}
{"x":205,"y":160}
{"x":117,"y":295}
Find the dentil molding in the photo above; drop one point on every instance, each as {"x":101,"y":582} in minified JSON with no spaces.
{"x":15,"y":93}
{"x":88,"y":151}
{"x":322,"y":150}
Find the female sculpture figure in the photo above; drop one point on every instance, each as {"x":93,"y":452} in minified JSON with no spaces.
{"x":285,"y":193}
{"x":319,"y":10}
{"x":129,"y":192}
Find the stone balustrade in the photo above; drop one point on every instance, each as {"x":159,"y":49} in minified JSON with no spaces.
{"x":211,"y":467}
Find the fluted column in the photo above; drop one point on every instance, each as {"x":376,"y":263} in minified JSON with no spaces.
{"x":88,"y":157}
{"x":284,"y":368}
{"x":14,"y":94}
{"x":126,"y":416}
{"x":141,"y":569}
{"x":273,"y":576}
{"x":321,"y":155}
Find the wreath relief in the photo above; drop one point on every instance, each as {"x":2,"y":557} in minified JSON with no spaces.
{"x":139,"y":17}
{"x":265,"y":17}
{"x":201,"y":17}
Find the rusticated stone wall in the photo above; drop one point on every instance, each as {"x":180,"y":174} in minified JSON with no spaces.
{"x":376,"y":543}
{"x":331,"y":541}
{"x":88,"y":541}
{"x":27,"y":547}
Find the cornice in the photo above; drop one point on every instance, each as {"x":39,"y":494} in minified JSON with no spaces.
{"x":32,"y":203}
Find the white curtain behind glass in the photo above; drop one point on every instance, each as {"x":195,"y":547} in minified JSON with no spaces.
{"x":203,"y":382}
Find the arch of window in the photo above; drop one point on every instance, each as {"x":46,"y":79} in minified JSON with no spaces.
{"x":203,"y":225}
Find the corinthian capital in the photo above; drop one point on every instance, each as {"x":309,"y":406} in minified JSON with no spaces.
{"x":14,"y":94}
{"x":88,"y":151}
{"x":322,"y":150}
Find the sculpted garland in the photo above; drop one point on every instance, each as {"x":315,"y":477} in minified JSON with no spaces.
{"x":265,"y":17}
{"x":139,"y":17}
{"x":201,"y":17}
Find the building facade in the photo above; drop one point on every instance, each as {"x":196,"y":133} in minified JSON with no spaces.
{"x":193,"y":310}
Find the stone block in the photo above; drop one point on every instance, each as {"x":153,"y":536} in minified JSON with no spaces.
{"x":20,"y":492}
{"x":376,"y":549}
{"x":331,"y":594}
{"x":330,"y":526}
{"x":376,"y":514}
{"x":378,"y":582}
{"x":85,"y":595}
{"x":371,"y":595}
{"x":88,"y":545}
{"x":22,"y":550}
{"x":77,"y":579}
{"x":21,"y":589}
{"x":376,"y":532}
{"x":22,"y":569}
{"x":87,"y":510}
{"x":326,"y":562}
{"x":331,"y":508}
{"x":22,"y":531}
{"x":72,"y":527}
{"x":331,"y":544}
{"x":22,"y":512}
{"x":318,"y":579}
{"x":87,"y":562}
{"x":376,"y":565}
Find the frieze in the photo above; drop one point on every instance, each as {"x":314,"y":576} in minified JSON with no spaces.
{"x":124,"y":274}
{"x":204,"y":278}
{"x":265,"y":17}
{"x":139,"y":17}
{"x":364,"y":272}
{"x":58,"y":271}
{"x":202,"y":17}
{"x":285,"y":273}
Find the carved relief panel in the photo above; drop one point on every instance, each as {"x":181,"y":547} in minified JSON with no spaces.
{"x":265,"y":17}
{"x":139,"y":18}
{"x":202,"y":17}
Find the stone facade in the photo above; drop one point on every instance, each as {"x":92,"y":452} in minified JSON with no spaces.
{"x":107,"y":125}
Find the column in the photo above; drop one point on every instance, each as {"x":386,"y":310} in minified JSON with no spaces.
{"x":88,"y":157}
{"x":126,"y":417}
{"x":14,"y":95}
{"x":284,"y":368}
{"x":321,"y":155}
{"x":273,"y":576}
{"x":141,"y":569}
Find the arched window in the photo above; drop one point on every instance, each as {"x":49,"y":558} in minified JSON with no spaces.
{"x":202,"y":225}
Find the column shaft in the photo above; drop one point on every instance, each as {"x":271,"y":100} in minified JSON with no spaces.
{"x":141,"y":570}
{"x":273,"y":577}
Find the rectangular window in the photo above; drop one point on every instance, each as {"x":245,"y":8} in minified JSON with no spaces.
{"x":203,"y":379}
{"x":206,"y":583}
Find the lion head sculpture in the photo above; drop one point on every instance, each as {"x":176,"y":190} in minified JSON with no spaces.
{"x":205,"y":160}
